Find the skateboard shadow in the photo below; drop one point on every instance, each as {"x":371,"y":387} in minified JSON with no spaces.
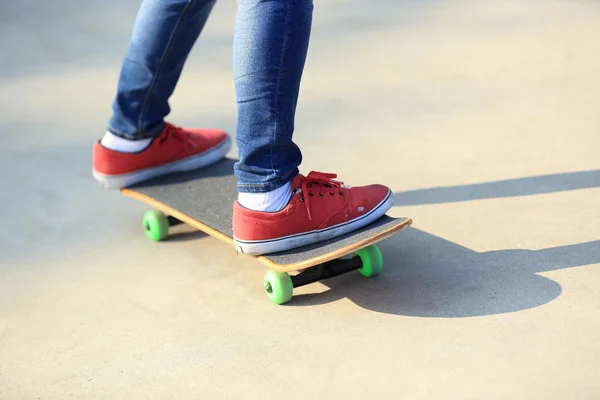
{"x":427,"y":276}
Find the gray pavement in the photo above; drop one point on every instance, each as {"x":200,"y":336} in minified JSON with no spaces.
{"x":482,"y":116}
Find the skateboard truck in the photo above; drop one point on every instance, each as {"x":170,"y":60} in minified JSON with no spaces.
{"x":279,"y":285}
{"x":330,"y":269}
{"x":174,"y":221}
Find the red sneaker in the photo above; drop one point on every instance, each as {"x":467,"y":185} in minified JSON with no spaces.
{"x":175,"y":149}
{"x":320,"y":209}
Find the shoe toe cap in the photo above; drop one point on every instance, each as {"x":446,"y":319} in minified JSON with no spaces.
{"x":366,"y":198}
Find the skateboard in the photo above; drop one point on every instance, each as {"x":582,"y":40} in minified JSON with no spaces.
{"x":203,"y":199}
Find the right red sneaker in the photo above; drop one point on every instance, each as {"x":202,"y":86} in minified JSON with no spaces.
{"x":174,"y":150}
{"x":320,"y":209}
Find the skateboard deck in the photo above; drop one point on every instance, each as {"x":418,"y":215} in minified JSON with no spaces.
{"x":203,"y":199}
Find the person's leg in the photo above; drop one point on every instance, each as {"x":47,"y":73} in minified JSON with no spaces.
{"x":163,"y":36}
{"x":270,"y":48}
{"x":278,"y":208}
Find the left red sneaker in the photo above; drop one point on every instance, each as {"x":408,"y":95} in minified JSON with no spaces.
{"x":175,"y":149}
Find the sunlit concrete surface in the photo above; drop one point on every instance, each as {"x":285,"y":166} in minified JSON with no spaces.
{"x":483,"y":117}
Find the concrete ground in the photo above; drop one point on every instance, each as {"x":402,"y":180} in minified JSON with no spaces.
{"x":482,"y":116}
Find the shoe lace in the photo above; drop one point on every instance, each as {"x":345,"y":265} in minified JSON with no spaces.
{"x":322,"y":181}
{"x":178,"y":134}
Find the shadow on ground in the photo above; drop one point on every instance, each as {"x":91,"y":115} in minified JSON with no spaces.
{"x":499,"y":189}
{"x":428,"y":276}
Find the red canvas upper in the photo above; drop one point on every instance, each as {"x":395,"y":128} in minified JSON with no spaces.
{"x":173,"y":144}
{"x":318,"y":202}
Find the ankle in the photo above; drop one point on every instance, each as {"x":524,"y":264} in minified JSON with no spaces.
{"x":272,"y":201}
{"x":116,"y":143}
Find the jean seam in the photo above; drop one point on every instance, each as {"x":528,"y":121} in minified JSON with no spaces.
{"x":277,"y":88}
{"x":163,"y":60}
{"x":138,"y":136}
{"x":116,"y":132}
{"x":285,"y":179}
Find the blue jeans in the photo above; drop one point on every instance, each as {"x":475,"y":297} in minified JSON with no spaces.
{"x":270,"y":47}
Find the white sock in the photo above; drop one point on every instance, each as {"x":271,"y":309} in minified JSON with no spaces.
{"x":273,"y":201}
{"x":115,"y":143}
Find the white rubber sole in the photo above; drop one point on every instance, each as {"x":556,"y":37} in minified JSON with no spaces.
{"x":194,"y":162}
{"x":262,"y":247}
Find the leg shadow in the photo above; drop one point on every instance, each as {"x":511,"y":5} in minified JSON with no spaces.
{"x":499,"y":189}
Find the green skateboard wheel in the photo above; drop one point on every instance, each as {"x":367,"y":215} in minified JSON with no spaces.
{"x":278,"y":286}
{"x":156,"y":225}
{"x":372,"y":261}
